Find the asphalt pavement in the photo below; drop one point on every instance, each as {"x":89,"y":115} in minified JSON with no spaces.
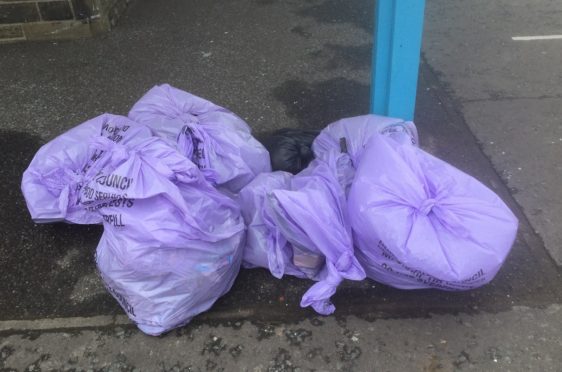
{"x":282,"y":64}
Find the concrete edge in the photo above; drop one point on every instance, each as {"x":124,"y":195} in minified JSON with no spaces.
{"x":63,"y":323}
{"x":100,"y":321}
{"x":108,"y":321}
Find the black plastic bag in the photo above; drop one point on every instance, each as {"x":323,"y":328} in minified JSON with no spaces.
{"x":290,"y":149}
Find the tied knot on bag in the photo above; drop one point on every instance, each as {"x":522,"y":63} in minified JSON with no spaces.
{"x":73,"y":176}
{"x":448,"y":219}
{"x":116,"y":152}
{"x":318,"y":296}
{"x":59,"y":178}
{"x":427,"y":206}
{"x":344,"y":262}
{"x":342,"y":265}
{"x":188,"y":118}
{"x":191,"y":141}
{"x":334,"y":280}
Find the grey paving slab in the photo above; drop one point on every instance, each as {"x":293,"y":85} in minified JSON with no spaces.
{"x":522,"y":339}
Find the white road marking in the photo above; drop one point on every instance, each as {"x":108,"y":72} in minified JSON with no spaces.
{"x":531,"y":38}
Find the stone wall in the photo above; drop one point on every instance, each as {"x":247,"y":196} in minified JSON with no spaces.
{"x":57,"y":19}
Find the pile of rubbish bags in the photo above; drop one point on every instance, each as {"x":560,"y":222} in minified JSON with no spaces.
{"x":187,"y":196}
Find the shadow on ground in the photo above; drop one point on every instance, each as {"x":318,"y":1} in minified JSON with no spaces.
{"x":315,"y":105}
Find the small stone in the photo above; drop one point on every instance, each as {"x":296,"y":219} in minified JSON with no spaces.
{"x":297,"y":336}
{"x":316,"y":322}
{"x":461,"y":359}
{"x":235,"y":351}
{"x":494,"y":354}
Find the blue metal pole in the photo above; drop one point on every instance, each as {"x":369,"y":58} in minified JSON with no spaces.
{"x":396,"y":57}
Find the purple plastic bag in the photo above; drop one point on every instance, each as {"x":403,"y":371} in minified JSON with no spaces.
{"x":350,"y":135}
{"x":172,"y":244}
{"x":265,"y":246}
{"x":52,"y":182}
{"x":419,"y":222}
{"x":301,"y":228}
{"x":355,"y":132}
{"x":215,"y":139}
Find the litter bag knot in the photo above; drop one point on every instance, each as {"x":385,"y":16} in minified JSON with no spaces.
{"x":188,"y":118}
{"x":344,"y":262}
{"x":117,"y":152}
{"x":426,"y":206}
